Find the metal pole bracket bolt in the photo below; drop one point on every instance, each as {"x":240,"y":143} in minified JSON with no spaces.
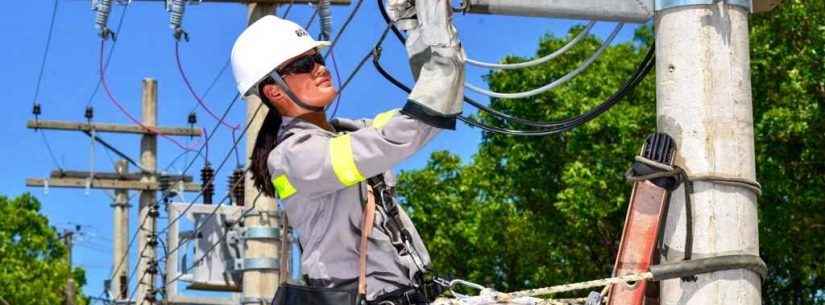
{"x":668,"y":4}
{"x":255,"y":301}
{"x":261,"y":233}
{"x":257,"y":263}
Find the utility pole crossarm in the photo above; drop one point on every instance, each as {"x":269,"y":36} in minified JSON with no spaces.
{"x":112,"y":128}
{"x":109,"y":184}
{"x":270,"y":2}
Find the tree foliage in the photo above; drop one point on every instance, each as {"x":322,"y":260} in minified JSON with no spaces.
{"x":33,"y":261}
{"x":528,"y":212}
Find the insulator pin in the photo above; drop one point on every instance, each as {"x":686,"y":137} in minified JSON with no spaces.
{"x":89,"y":114}
{"x":36,"y":110}
{"x":192,"y":118}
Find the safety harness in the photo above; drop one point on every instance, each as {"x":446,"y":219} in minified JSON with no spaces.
{"x":428,"y":286}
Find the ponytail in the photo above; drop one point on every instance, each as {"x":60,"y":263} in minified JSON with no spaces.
{"x":264,"y":144}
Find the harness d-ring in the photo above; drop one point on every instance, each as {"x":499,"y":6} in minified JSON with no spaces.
{"x":455,"y":283}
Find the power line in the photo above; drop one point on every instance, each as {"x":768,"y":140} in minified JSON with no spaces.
{"x":122,"y":109}
{"x":45,"y":53}
{"x":109,"y":57}
{"x":192,"y":90}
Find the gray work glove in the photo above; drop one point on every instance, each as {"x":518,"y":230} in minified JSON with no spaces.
{"x":436,"y":59}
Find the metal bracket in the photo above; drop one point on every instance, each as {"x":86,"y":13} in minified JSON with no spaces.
{"x":257,"y":263}
{"x":256,"y":301}
{"x":667,"y":4}
{"x":261,"y":233}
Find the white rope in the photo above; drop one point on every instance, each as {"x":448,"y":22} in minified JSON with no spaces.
{"x":537,"y":61}
{"x":557,"y":82}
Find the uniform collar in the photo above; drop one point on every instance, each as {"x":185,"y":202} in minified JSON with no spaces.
{"x":293,"y":125}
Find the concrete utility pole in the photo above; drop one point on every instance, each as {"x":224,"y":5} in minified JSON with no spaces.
{"x":120,"y":225}
{"x":703,"y":90}
{"x":147,"y":238}
{"x":259,"y":284}
{"x":121,"y":181}
{"x":70,"y":285}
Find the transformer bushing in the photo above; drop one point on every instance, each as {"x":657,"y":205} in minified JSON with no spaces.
{"x":236,"y":187}
{"x":208,"y":183}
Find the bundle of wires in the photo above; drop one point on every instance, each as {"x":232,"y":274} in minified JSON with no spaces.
{"x":535,"y":128}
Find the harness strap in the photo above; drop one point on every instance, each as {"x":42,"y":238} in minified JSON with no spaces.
{"x":366,"y":228}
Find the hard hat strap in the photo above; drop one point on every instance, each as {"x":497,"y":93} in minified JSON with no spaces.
{"x":280,"y":82}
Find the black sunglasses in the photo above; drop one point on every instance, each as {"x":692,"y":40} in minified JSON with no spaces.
{"x":304,"y":64}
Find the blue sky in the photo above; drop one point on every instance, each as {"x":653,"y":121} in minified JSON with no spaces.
{"x":145,"y":48}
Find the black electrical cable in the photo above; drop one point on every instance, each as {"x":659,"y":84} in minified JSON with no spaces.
{"x":545,"y":127}
{"x":343,"y":28}
{"x":389,"y":22}
{"x":638,"y":76}
{"x":45,"y":52}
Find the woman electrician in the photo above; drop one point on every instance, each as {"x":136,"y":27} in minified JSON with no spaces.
{"x":323,"y":172}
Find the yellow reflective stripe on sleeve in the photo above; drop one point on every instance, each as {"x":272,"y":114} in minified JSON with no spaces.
{"x":283,"y":187}
{"x":343,"y":162}
{"x":382,"y":119}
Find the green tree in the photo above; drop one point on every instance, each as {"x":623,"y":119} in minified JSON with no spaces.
{"x":33,"y":260}
{"x":527,"y":212}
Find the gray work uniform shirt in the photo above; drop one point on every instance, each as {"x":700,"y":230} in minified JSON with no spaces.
{"x":319,"y":177}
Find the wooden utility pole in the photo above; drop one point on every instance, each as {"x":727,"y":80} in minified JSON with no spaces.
{"x":703,"y":91}
{"x":259,"y":285}
{"x":120,"y":240}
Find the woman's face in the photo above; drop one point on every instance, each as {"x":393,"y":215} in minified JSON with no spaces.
{"x":314,"y":87}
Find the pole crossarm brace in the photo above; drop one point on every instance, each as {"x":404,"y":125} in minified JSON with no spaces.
{"x":333,"y":2}
{"x":112,"y":128}
{"x":109,"y":184}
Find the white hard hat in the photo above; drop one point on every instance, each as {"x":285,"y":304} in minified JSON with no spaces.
{"x":264,"y":46}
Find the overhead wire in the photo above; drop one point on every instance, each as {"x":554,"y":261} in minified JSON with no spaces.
{"x":346,"y":24}
{"x":35,"y":105}
{"x":234,"y":150}
{"x":194,"y":94}
{"x":45,"y":52}
{"x":530,"y":63}
{"x":122,"y":109}
{"x":570,"y":75}
{"x":220,"y":166}
{"x":211,"y":248}
{"x":545,"y":127}
{"x":642,"y":70}
{"x":111,"y":52}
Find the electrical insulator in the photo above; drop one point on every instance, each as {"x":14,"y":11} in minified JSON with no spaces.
{"x":236,"y":186}
{"x":208,"y":183}
{"x":192,"y":118}
{"x":36,"y":109}
{"x":89,"y":113}
{"x":176,"y":9}
{"x":103,"y":8}
{"x":326,"y":19}
{"x":152,"y":240}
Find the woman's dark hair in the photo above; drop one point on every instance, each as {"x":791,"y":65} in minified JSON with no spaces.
{"x":266,"y":141}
